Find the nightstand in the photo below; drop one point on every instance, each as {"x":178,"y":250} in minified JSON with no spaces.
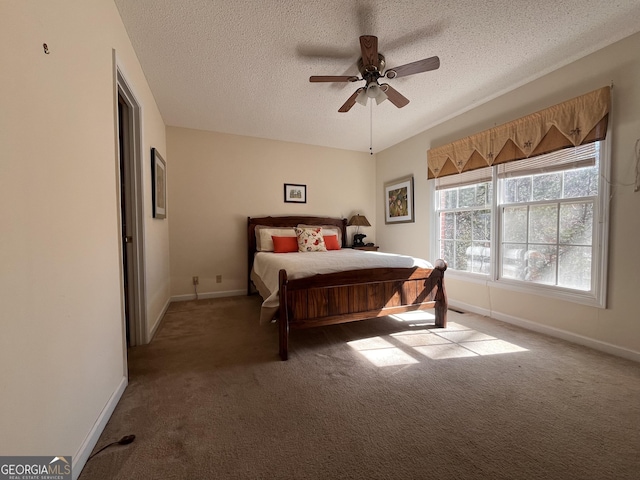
{"x":373,"y":248}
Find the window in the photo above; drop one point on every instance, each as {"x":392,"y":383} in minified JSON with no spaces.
{"x":464,"y":218}
{"x":547,"y":219}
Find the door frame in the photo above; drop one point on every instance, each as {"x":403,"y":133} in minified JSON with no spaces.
{"x":137,"y":311}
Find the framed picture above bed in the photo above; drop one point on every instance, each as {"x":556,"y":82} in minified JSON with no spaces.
{"x":294,"y":193}
{"x":398,"y":200}
{"x":158,"y":184}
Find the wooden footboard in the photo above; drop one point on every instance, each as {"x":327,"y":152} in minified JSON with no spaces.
{"x":357,"y":295}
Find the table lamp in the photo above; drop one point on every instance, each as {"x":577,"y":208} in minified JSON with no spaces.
{"x":358,"y":221}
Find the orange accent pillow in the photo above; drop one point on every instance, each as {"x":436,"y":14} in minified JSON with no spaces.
{"x":331,"y":242}
{"x":284,"y":244}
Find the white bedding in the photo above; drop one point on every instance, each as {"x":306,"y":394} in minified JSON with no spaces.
{"x":266,"y":266}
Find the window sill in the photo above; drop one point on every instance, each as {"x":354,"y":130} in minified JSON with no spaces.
{"x":479,"y":278}
{"x":575,"y":296}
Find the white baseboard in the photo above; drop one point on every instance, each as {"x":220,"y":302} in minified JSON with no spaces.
{"x":155,"y":327}
{"x":202,"y":296}
{"x":551,"y":331}
{"x":82,"y":455}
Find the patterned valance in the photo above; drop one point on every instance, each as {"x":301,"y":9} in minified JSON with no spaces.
{"x":575,"y":122}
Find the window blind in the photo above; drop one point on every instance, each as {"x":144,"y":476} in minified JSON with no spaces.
{"x":467,"y":178}
{"x":577,"y":157}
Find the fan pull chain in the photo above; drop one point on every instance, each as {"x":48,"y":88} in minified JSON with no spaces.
{"x":371,"y":127}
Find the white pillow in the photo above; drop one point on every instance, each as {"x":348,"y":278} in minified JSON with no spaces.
{"x":264,"y":242}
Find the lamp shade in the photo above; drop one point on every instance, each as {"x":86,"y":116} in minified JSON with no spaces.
{"x":372,"y":90}
{"x":381,"y":96}
{"x":359,"y":220}
{"x":362,"y":97}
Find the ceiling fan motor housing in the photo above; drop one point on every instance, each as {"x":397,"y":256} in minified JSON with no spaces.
{"x":371,"y":73}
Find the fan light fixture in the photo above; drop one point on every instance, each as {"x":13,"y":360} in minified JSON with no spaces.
{"x":373,"y":90}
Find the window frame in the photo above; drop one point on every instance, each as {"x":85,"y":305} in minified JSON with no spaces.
{"x":471,"y":209}
{"x":597,"y":295}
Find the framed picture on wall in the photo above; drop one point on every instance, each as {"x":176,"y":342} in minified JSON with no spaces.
{"x":398,"y":200}
{"x":158,"y":184}
{"x":294,"y":193}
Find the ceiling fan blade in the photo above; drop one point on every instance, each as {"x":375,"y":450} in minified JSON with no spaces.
{"x":335,"y":78}
{"x":425,"y":65}
{"x":394,"y":96}
{"x":369,"y":47}
{"x":351,"y":101}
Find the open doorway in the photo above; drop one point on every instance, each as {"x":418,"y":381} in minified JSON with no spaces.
{"x":131,"y":213}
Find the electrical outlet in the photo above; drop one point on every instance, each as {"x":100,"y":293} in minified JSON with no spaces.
{"x":196,"y":281}
{"x":218,"y":278}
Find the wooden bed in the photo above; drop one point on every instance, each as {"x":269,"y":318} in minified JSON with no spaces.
{"x":327,"y":299}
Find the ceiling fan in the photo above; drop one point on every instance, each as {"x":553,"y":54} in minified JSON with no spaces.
{"x":372,"y":67}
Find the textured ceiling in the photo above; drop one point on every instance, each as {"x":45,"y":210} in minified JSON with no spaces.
{"x":243,"y":66}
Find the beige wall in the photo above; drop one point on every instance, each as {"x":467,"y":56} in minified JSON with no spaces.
{"x":217,"y":180}
{"x":614,"y":329}
{"x":61,"y":331}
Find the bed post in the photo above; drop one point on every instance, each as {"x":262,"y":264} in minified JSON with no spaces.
{"x":283,"y":316}
{"x":251,"y":241}
{"x":441,"y":296}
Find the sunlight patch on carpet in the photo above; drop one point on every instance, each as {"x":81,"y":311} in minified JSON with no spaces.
{"x":449,"y":350}
{"x":492,"y":347}
{"x":455,"y":341}
{"x":419,"y":338}
{"x":463,"y":336}
{"x":381,"y":352}
{"x":388,"y":357}
{"x":372,"y":343}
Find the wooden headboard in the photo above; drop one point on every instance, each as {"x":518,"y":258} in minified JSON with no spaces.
{"x":287,"y":221}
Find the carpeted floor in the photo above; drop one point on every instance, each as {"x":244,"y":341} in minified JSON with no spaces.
{"x":378,"y":399}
